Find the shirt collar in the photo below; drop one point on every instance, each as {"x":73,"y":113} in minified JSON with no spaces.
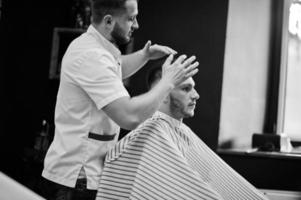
{"x":104,"y":42}
{"x":173,"y":121}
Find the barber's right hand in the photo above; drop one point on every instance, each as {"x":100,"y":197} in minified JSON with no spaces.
{"x":178,"y":71}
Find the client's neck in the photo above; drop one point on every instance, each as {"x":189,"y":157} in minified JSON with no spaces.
{"x":167,"y":111}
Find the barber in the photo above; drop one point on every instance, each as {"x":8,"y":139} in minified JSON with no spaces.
{"x":92,"y":102}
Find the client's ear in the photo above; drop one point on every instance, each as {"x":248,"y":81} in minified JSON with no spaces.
{"x":166,"y":100}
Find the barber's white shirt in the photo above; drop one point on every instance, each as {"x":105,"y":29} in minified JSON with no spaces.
{"x":90,"y":79}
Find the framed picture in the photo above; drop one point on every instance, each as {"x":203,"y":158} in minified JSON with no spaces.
{"x":61,"y":39}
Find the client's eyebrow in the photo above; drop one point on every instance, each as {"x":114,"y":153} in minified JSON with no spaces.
{"x":187,"y":84}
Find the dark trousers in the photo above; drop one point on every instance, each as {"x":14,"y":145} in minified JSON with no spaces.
{"x":59,"y":192}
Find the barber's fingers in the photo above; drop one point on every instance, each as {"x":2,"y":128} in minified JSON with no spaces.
{"x":169,"y":50}
{"x":148,"y":44}
{"x":191,"y":69}
{"x":191,"y":73}
{"x":168,"y":60}
{"x":192,"y":66}
{"x":188,"y":61}
{"x":180,"y":59}
{"x":181,"y":63}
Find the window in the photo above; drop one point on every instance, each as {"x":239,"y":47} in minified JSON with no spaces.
{"x":289,"y":107}
{"x":246,"y":72}
{"x":262,"y":72}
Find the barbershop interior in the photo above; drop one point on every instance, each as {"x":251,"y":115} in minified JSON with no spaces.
{"x":249,"y":107}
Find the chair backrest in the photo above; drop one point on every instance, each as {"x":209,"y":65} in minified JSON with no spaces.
{"x":12,"y":190}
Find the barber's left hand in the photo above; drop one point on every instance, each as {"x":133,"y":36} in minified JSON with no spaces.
{"x":156,"y":51}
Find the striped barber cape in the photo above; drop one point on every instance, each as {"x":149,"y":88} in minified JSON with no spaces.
{"x":164,"y":159}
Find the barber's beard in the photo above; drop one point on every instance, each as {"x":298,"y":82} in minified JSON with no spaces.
{"x":119,"y":36}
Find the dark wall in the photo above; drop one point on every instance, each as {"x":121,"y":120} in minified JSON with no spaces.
{"x":195,"y":28}
{"x":192,"y":27}
{"x":26,"y":36}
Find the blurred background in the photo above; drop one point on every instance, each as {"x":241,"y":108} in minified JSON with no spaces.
{"x":242,"y":47}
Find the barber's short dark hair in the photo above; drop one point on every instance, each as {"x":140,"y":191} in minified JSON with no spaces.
{"x":100,"y":8}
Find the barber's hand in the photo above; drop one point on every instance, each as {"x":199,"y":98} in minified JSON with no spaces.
{"x":178,"y":71}
{"x":156,"y":51}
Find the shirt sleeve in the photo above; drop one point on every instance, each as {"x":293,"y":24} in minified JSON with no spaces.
{"x":99,"y":75}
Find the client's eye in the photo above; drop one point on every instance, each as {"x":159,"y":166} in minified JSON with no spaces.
{"x":186,"y":89}
{"x":132,"y":18}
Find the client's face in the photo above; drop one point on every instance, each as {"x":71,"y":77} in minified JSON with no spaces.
{"x":183,"y":100}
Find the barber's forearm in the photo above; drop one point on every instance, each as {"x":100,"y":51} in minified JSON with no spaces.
{"x":128,"y":112}
{"x":131,"y":63}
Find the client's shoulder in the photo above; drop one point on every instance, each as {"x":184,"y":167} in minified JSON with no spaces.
{"x":153,"y":126}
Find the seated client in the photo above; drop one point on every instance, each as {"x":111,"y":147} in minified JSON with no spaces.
{"x":164,"y":159}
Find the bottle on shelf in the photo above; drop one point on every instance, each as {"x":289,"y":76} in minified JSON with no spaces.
{"x":42,"y":141}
